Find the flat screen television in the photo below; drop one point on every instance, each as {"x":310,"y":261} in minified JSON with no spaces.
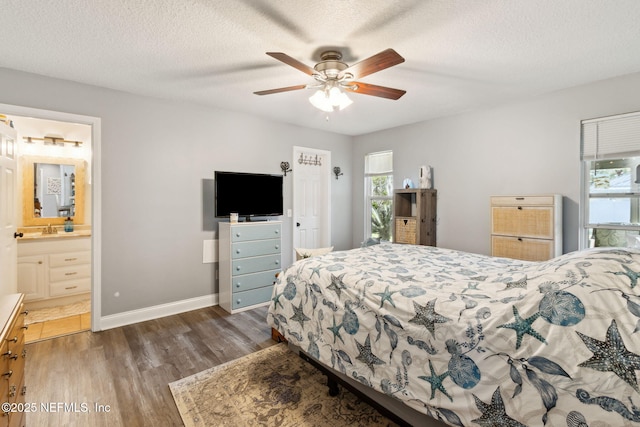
{"x":248,"y":194}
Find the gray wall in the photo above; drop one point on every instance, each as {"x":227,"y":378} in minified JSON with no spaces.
{"x":531,"y":147}
{"x":156,"y":158}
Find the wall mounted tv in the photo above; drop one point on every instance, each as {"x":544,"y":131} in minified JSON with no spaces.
{"x":248,"y":194}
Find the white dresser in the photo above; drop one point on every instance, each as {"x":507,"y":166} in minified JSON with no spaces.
{"x":54,"y":267}
{"x":526,"y":227}
{"x":249,"y":260}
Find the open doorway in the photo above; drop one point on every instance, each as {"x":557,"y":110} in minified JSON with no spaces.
{"x":55,"y":264}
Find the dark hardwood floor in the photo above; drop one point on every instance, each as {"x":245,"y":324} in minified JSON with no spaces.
{"x":120,"y":377}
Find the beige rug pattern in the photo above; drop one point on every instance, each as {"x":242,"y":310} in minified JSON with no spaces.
{"x":58,"y":312}
{"x":272,"y":387}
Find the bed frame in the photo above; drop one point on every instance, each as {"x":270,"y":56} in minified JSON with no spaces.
{"x":391,"y":408}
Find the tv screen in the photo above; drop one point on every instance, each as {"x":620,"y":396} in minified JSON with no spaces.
{"x":248,"y":194}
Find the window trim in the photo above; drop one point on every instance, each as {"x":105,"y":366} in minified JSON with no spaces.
{"x":368,"y":198}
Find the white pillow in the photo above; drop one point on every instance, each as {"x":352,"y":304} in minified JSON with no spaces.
{"x":302,"y":253}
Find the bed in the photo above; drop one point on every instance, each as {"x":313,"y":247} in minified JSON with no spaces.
{"x":474,"y":340}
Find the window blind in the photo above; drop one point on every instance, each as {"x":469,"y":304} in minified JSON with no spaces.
{"x":611,"y":137}
{"x":379,"y":163}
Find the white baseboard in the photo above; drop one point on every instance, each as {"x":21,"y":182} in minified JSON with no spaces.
{"x":155,"y":312}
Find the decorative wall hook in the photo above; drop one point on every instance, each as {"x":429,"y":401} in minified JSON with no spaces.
{"x":336,"y":171}
{"x":285,"y":167}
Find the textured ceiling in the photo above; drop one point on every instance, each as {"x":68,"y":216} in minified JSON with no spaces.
{"x":460,"y":54}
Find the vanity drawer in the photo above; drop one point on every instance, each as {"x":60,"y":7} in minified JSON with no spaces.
{"x":253,"y":281}
{"x":71,"y":272}
{"x":242,"y":233}
{"x":254,"y":265}
{"x":252,"y":297}
{"x":69,"y":258}
{"x":259,"y":247}
{"x":70,"y":287}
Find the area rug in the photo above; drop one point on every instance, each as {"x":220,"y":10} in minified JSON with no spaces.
{"x":272,"y":387}
{"x":58,"y":312}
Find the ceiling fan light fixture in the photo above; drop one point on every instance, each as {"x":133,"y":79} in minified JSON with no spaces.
{"x":330,"y":99}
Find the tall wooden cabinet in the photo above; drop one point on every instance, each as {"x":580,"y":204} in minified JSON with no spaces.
{"x":415,"y":216}
{"x":526,"y":227}
{"x":249,"y":260}
{"x":13,"y":354}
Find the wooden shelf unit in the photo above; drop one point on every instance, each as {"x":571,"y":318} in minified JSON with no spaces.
{"x":415,"y":211}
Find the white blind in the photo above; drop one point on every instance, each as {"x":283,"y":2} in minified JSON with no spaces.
{"x":611,"y":137}
{"x":378,"y":163}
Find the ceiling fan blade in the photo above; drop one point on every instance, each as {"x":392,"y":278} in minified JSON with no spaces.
{"x":378,"y":62}
{"x":374,"y":90}
{"x":282,"y":89}
{"x":283,"y":57}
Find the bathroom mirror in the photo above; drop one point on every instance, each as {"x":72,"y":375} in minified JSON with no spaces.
{"x":52,"y":190}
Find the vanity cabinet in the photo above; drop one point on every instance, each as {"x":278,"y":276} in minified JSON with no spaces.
{"x":12,"y":360}
{"x":526,"y":227}
{"x":54,"y":267}
{"x":249,"y":260}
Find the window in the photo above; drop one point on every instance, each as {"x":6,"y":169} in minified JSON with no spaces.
{"x":378,"y":184}
{"x":611,"y":181}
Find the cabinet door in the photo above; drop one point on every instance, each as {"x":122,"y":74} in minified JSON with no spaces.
{"x":523,"y":221}
{"x":31,"y":276}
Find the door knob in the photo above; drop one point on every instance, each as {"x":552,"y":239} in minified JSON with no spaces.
{"x":16,"y":235}
{"x":297,"y":224}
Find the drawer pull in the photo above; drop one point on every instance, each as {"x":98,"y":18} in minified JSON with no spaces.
{"x":24,"y":390}
{"x":237,"y":234}
{"x":277,"y":246}
{"x":519,"y":198}
{"x":7,"y":354}
{"x":39,"y":262}
{"x":70,"y":259}
{"x":238,"y":268}
{"x":239,"y":300}
{"x":25,"y":327}
{"x":24,"y":355}
{"x":26,"y":312}
{"x":519,"y":239}
{"x":70,"y":287}
{"x":14,"y":339}
{"x":14,"y":357}
{"x":12,"y":391}
{"x":73,"y":273}
{"x":519,"y":208}
{"x":277,"y":262}
{"x":238,"y":285}
{"x":8,"y":374}
{"x":237,"y":251}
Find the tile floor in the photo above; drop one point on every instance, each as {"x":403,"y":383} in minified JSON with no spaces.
{"x":58,"y":327}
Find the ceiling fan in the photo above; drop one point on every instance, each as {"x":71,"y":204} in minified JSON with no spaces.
{"x":333,"y":76}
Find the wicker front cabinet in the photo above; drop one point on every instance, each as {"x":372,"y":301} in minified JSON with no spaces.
{"x":415,"y":216}
{"x":526,"y":227}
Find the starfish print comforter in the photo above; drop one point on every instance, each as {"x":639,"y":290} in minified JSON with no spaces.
{"x":472,"y":339}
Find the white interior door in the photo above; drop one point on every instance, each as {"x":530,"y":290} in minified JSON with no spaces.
{"x":311,"y":198}
{"x":8,"y":224}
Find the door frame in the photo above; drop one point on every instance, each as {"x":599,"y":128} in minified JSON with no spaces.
{"x":326,"y":229}
{"x":96,"y":192}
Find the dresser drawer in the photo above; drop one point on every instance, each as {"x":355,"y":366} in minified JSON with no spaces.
{"x":254,"y":265}
{"x":70,"y":258}
{"x":242,"y":233}
{"x":523,"y":221}
{"x":522,"y":200}
{"x":70,"y":287}
{"x":259,"y":247}
{"x":522,"y":248}
{"x":252,"y":297}
{"x":71,"y":272}
{"x":252,"y":281}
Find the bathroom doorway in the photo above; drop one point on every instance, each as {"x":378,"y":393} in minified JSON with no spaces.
{"x":62,"y":298}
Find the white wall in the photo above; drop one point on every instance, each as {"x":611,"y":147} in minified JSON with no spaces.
{"x":155,"y":156}
{"x":531,"y":147}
